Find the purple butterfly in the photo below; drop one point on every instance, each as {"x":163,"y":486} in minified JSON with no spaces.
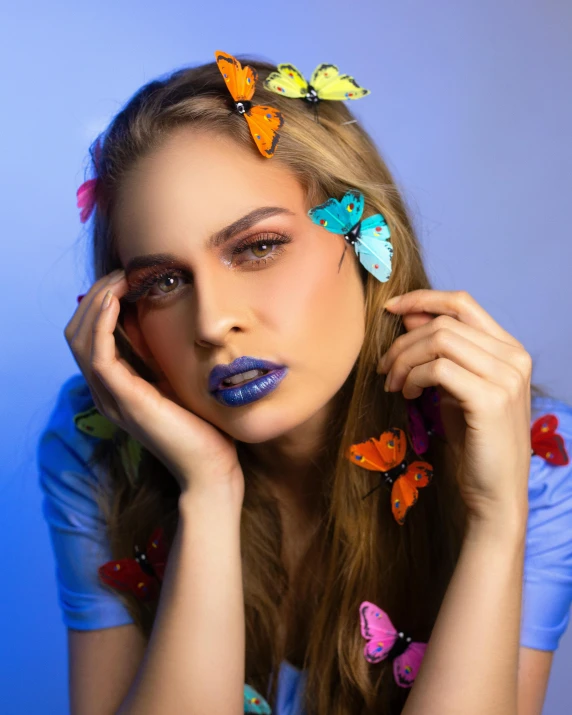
{"x":385,"y":642}
{"x":424,"y":419}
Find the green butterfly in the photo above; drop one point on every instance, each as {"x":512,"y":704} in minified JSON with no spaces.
{"x":326,"y":82}
{"x":93,"y":423}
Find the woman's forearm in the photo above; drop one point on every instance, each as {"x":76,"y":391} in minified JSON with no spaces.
{"x":195,"y":661}
{"x":471,"y":663}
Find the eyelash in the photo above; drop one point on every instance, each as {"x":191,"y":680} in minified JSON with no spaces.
{"x":142,"y":285}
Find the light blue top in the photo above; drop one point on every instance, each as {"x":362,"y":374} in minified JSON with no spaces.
{"x":78,"y":538}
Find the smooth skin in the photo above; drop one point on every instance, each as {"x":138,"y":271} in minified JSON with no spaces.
{"x":298,"y":310}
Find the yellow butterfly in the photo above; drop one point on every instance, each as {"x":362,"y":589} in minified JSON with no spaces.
{"x":326,"y":82}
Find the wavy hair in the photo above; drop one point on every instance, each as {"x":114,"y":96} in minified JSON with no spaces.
{"x":358,"y":552}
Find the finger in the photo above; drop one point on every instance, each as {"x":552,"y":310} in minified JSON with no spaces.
{"x":87,"y":301}
{"x":114,"y":373}
{"x":456,"y":348}
{"x":457,"y":304}
{"x":496,"y":347}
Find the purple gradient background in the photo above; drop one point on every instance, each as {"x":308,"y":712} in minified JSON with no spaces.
{"x":471,"y":105}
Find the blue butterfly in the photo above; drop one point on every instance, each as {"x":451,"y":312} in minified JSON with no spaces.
{"x":369,"y":236}
{"x":254,"y":702}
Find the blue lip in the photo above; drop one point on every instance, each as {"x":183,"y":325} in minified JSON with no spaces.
{"x":250,"y":391}
{"x":241,"y":364}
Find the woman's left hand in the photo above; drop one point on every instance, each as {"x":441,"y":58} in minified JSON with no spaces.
{"x":482,"y":374}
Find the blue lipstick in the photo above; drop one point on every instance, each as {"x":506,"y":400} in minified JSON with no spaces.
{"x":239,"y":395}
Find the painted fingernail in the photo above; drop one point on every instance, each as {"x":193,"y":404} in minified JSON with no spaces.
{"x":80,"y":297}
{"x":387,"y":384}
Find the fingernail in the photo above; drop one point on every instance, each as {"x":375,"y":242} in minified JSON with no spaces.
{"x":116,"y":275}
{"x":392,"y":301}
{"x":106,"y":300}
{"x":80,"y":297}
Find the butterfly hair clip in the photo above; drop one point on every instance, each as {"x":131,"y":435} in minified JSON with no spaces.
{"x":546,"y":443}
{"x":326,"y":83}
{"x":85,"y":195}
{"x":264,"y":122}
{"x":369,"y":236}
{"x":93,"y":423}
{"x":387,"y":455}
{"x":384,"y":641}
{"x":254,"y":702}
{"x":141,"y":575}
{"x":424,"y":417}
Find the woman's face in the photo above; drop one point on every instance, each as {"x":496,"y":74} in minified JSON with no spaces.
{"x":286,"y":303}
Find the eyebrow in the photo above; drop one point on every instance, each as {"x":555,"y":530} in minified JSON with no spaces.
{"x":217,"y":239}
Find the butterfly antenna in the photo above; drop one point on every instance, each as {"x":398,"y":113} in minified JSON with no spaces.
{"x":372,"y":491}
{"x":342,"y":258}
{"x":316,"y":119}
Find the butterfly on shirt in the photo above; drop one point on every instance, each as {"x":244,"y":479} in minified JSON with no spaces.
{"x":141,"y":575}
{"x":263,"y":121}
{"x":384,"y":641}
{"x":546,"y":443}
{"x":387,"y":455}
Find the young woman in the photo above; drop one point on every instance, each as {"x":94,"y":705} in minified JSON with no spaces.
{"x":204,"y":253}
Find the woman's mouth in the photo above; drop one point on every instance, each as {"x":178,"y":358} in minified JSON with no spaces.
{"x":242,"y":378}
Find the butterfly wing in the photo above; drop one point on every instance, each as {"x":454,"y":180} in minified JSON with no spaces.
{"x":546,"y":443}
{"x":92,"y":422}
{"x":86,"y":199}
{"x":419,"y":435}
{"x":264,"y":123}
{"x":429,"y":402}
{"x":126,"y":575}
{"x":287,"y":81}
{"x":254,"y":702}
{"x":130,"y":454}
{"x":373,"y":247}
{"x":330,"y":84}
{"x":380,"y":455}
{"x":406,"y":666}
{"x":378,"y":630}
{"x":339,"y":216}
{"x":404,"y":491}
{"x":240,"y":80}
{"x":157,"y":552}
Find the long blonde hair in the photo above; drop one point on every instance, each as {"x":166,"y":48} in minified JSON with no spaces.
{"x":359,"y":552}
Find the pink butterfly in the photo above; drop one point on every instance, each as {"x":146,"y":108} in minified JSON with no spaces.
{"x":424,"y":419}
{"x":385,"y":642}
{"x":86,"y":192}
{"x":86,"y":199}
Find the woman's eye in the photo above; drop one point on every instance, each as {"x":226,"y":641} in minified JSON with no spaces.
{"x":167,"y":283}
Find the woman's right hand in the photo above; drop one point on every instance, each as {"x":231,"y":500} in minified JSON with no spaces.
{"x":199,"y":455}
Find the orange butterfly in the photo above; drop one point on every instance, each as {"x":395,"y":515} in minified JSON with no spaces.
{"x":387,"y":455}
{"x":263,"y":121}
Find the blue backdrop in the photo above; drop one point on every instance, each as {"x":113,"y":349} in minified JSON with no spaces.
{"x":471,"y":106}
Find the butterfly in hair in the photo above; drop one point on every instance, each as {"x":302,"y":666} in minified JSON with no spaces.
{"x":387,"y":456}
{"x":424,"y":417}
{"x":547,"y":443}
{"x":142,"y":574}
{"x":254,"y":702}
{"x":263,"y":121}
{"x":369,"y":236}
{"x":384,"y":641}
{"x":326,"y":83}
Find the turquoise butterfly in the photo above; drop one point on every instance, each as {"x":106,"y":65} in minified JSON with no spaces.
{"x":254,"y":702}
{"x":369,"y":237}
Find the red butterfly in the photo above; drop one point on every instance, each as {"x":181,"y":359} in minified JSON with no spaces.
{"x":546,"y":443}
{"x":141,"y":575}
{"x":387,"y":455}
